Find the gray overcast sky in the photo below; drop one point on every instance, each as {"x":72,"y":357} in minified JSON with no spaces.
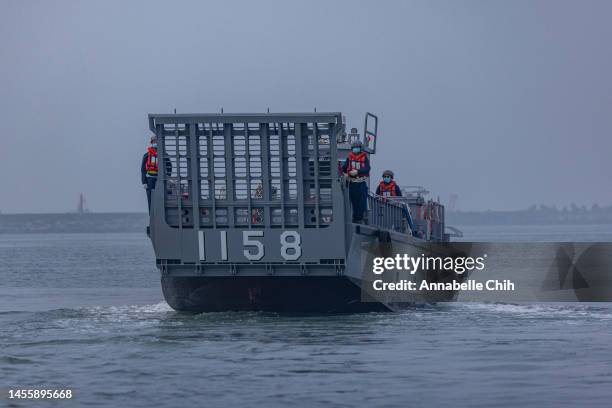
{"x":506,"y":103}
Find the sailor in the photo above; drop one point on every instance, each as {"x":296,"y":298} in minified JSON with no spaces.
{"x":149,"y":169}
{"x":357,"y":169}
{"x":387,"y":187}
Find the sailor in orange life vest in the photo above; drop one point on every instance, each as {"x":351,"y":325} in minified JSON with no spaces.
{"x":357,"y":169}
{"x":387,"y":187}
{"x":149,"y":169}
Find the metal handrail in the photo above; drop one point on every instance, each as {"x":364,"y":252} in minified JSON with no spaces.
{"x":387,"y":214}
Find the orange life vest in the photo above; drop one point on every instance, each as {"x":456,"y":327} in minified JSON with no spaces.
{"x":152,"y":161}
{"x":356,"y":161}
{"x":387,"y":190}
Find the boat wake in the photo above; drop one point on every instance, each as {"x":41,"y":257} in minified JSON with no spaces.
{"x":539,"y":310}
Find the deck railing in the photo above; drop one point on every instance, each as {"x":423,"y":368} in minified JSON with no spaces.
{"x":387,"y":214}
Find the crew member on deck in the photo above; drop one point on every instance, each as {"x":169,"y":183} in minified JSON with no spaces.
{"x":357,"y":169}
{"x":387,"y":187}
{"x":149,"y":169}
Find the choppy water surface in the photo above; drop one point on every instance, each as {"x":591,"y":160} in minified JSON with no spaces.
{"x":84,"y":311}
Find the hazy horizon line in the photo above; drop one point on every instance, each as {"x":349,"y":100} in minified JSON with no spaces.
{"x":538,"y":207}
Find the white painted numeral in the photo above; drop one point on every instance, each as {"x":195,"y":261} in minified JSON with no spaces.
{"x":293,"y":245}
{"x":290,"y":241}
{"x":201,"y":246}
{"x":247,"y":241}
{"x":224,"y":245}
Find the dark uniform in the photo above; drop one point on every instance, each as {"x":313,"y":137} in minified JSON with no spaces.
{"x":149,"y":171}
{"x":358,"y":184}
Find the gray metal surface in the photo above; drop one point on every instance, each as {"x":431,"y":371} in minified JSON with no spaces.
{"x":258,"y":195}
{"x":249,"y":194}
{"x":386,"y":214}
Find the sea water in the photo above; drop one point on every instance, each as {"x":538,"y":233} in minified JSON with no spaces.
{"x":84,"y":312}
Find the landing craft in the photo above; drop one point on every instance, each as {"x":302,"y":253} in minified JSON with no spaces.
{"x":255,"y":215}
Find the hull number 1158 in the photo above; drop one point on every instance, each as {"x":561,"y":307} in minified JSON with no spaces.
{"x":254,"y":250}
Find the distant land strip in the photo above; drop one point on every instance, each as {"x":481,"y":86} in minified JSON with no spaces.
{"x":72,"y":222}
{"x":541,"y":215}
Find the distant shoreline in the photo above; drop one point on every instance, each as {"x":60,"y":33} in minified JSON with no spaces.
{"x":532,"y":216}
{"x":73,"y":222}
{"x":88,"y":213}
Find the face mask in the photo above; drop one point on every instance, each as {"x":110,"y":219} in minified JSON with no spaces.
{"x":154,"y":145}
{"x":356,"y":150}
{"x":387,"y":180}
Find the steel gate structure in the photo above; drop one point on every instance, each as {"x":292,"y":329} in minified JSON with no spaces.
{"x":253,"y":194}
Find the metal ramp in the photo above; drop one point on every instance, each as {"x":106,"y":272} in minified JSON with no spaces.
{"x":242,"y":190}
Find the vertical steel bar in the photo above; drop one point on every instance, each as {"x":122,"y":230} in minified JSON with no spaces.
{"x":338,"y":190}
{"x":283,"y":162}
{"x":387,"y":216}
{"x":265,"y":172}
{"x":224,"y":245}
{"x":378,"y":213}
{"x":178,"y":175}
{"x":395,"y":219}
{"x":194,"y":154}
{"x":161,"y":174}
{"x":315,"y":141}
{"x":299,"y":159}
{"x":201,"y":246}
{"x":228,"y":131}
{"x":247,"y":153}
{"x":395,"y":224}
{"x":210,"y":153}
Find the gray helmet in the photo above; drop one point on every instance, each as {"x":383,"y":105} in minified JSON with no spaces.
{"x":357,"y":143}
{"x":153,"y":139}
{"x":387,"y":173}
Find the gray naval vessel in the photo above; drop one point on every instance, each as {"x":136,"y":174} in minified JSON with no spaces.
{"x":254,"y":214}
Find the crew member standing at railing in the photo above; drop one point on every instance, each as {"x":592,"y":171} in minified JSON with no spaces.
{"x":387,"y":187}
{"x":357,"y":169}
